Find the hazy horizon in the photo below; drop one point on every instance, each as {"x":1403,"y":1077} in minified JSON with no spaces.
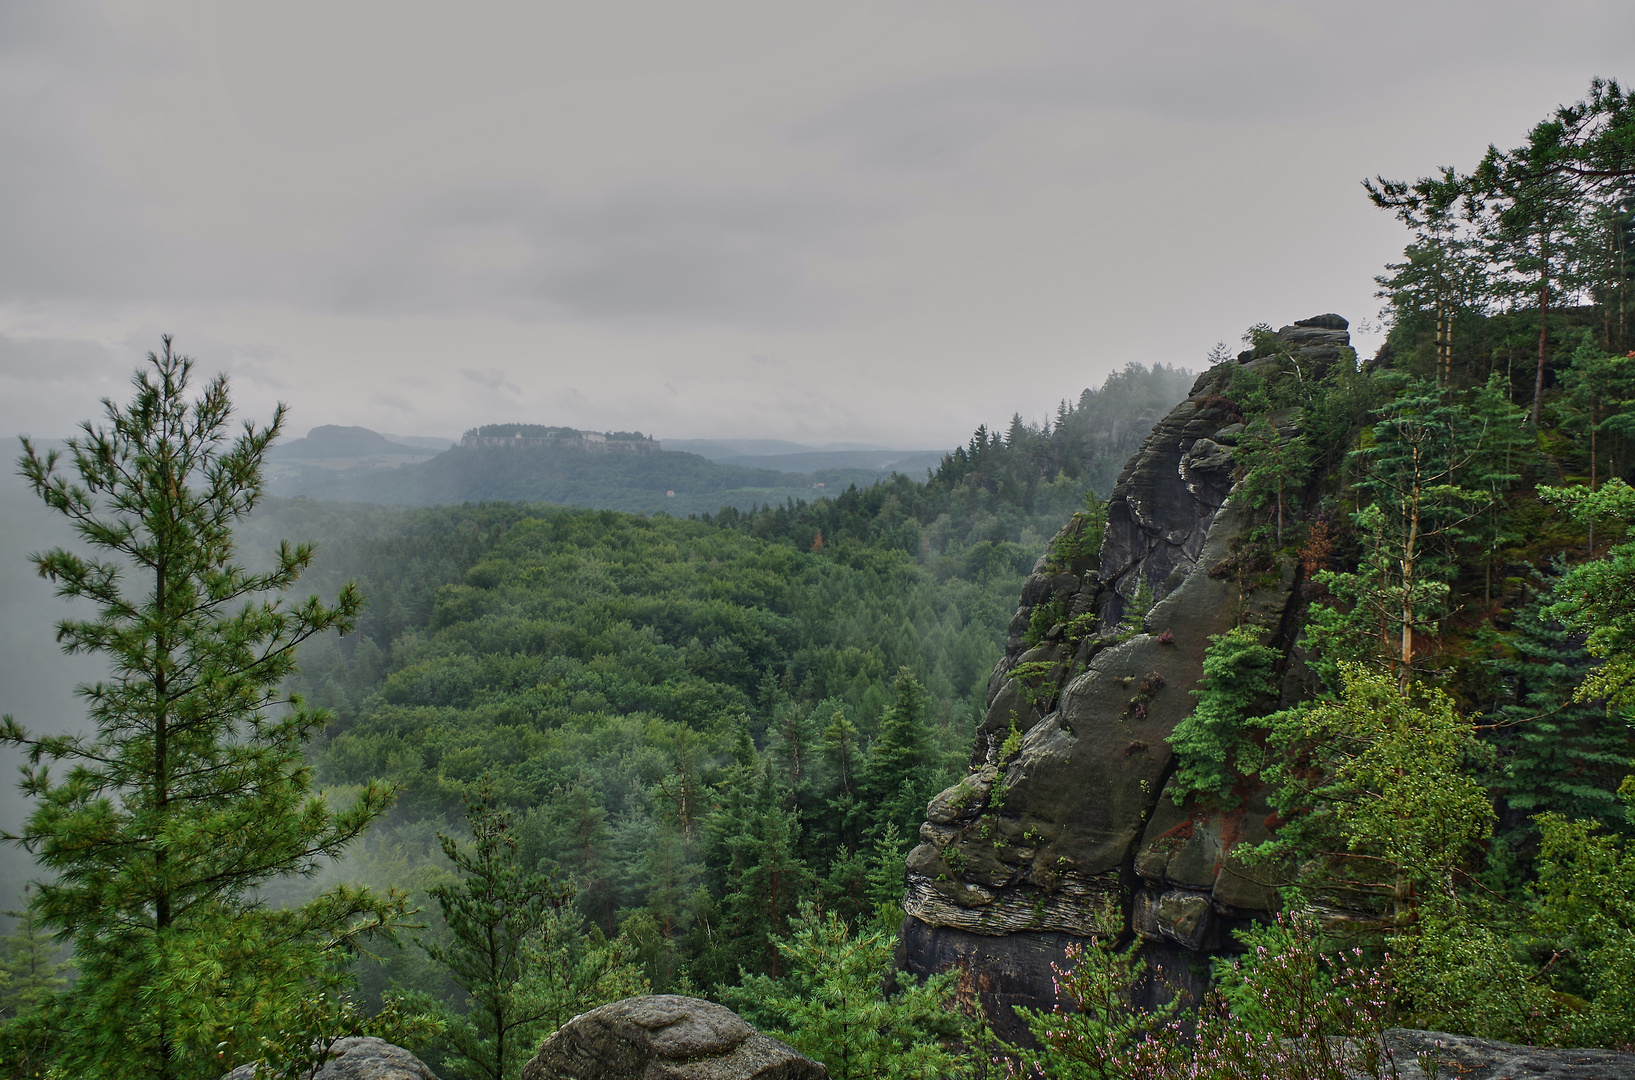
{"x":881,"y":223}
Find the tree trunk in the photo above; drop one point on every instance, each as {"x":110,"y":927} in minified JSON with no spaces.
{"x":1543,"y":339}
{"x":1591,"y":551}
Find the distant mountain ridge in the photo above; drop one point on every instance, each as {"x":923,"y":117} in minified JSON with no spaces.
{"x":718,"y":449}
{"x":336,"y":441}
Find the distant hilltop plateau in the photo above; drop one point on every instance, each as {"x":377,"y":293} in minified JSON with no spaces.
{"x":616,"y":470}
{"x":1083,"y":446}
{"x":538,"y":436}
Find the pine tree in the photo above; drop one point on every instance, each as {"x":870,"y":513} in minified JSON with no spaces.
{"x":1597,"y":598}
{"x":1441,"y":274}
{"x":842,"y":1004}
{"x":193,"y":792}
{"x":1412,"y":465}
{"x":30,"y":978}
{"x":753,"y":848}
{"x":1599,"y":403}
{"x":1273,"y":465}
{"x":494,"y":912}
{"x":573,"y":831}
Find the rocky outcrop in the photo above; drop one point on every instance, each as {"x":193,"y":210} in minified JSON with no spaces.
{"x":1065,"y":806}
{"x":666,"y":1037}
{"x":1483,"y":1059}
{"x":356,"y":1058}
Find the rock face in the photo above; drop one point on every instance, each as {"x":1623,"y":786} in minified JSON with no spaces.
{"x":1483,"y":1059}
{"x":1065,"y":806}
{"x":360,"y":1058}
{"x":666,"y":1037}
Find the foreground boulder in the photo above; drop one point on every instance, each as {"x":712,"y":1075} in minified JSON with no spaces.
{"x":666,"y":1037}
{"x":356,"y":1058}
{"x":1484,"y":1059}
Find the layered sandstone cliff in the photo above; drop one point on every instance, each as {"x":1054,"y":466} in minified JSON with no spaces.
{"x":1065,"y":806}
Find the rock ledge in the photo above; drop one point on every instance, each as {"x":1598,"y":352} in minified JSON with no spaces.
{"x":1485,"y":1059}
{"x":356,"y":1058}
{"x":666,"y":1037}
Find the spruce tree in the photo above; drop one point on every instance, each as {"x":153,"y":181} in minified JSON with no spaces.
{"x":192,"y":793}
{"x":1555,"y":754}
{"x":1597,"y":598}
{"x":901,"y":775}
{"x":30,"y":977}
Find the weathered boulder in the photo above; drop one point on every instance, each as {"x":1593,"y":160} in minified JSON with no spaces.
{"x":356,"y":1058}
{"x":666,"y":1037}
{"x":1076,"y":810}
{"x":1485,"y":1059}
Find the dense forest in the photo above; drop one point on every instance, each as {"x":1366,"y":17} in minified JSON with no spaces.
{"x":574,"y":754}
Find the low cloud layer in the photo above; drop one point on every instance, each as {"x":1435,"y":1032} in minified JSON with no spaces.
{"x":930,"y":215}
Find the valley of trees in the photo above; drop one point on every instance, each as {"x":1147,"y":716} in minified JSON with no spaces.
{"x":575,"y":754}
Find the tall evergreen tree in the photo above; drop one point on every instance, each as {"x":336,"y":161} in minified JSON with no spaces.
{"x":193,"y":792}
{"x":1555,"y":754}
{"x":1597,"y":599}
{"x":495,"y":912}
{"x":754,"y":846}
{"x":29,"y":966}
{"x":902,"y":776}
{"x":1441,"y":276}
{"x":1412,"y":463}
{"x":30,"y":977}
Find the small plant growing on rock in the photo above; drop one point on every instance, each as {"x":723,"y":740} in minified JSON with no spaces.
{"x":1038,"y":681}
{"x":1237,"y":676}
{"x":1012,"y":744}
{"x":1047,"y":615}
{"x":1135,"y":612}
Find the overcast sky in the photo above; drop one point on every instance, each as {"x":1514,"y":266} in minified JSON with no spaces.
{"x":821,"y":221}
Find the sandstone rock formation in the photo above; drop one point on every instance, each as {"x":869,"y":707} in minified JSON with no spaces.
{"x":666,"y":1037}
{"x":360,"y":1058}
{"x":1065,"y":805}
{"x":1483,"y":1059}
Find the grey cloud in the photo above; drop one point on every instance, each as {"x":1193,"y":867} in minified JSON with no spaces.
{"x":397,"y":402}
{"x":886,"y":195}
{"x":52,"y":360}
{"x":631,"y":254}
{"x":492,"y":378}
{"x":1203,"y":62}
